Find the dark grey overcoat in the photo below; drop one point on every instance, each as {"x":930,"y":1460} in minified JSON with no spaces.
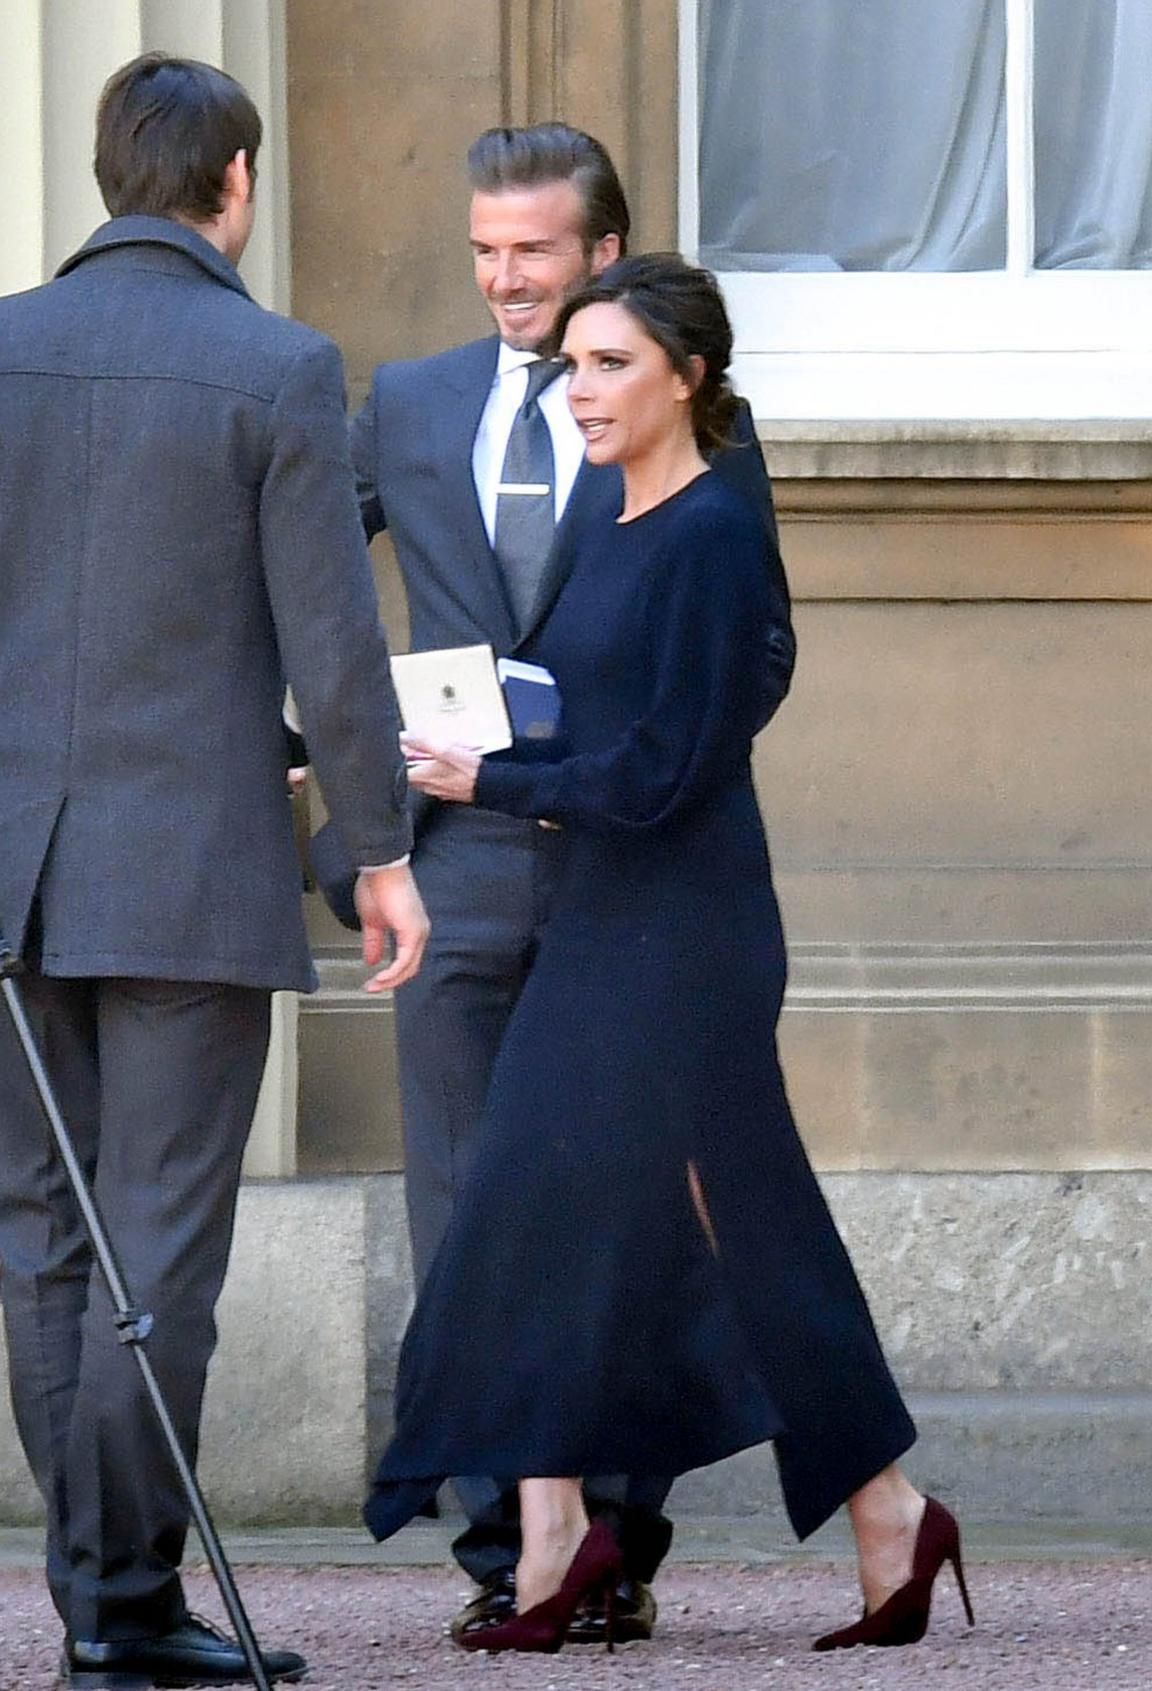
{"x":179,"y":536}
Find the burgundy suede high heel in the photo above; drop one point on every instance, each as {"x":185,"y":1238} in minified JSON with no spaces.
{"x":595,"y":1568}
{"x":903,"y":1619}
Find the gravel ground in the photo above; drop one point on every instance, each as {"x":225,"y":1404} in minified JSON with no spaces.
{"x":1067,"y":1627}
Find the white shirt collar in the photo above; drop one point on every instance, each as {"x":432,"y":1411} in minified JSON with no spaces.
{"x":513,"y":358}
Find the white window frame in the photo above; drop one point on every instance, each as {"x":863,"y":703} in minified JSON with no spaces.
{"x":1017,"y":343}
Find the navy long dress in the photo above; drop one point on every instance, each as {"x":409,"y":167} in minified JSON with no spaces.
{"x":641,"y":1275}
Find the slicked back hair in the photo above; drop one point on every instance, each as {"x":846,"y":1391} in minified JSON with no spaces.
{"x":503,"y":158}
{"x":166,"y":130}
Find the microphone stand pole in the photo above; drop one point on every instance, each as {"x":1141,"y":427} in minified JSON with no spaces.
{"x":133,"y":1324}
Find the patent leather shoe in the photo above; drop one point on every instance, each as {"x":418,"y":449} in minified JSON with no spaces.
{"x":192,"y":1654}
{"x":543,"y":1628}
{"x":634,"y":1617}
{"x":493,"y":1604}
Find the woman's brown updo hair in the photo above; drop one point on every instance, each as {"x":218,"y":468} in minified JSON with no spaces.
{"x":681,"y":308}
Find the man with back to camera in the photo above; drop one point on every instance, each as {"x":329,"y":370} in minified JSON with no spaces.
{"x":451,"y":453}
{"x":179,"y":537}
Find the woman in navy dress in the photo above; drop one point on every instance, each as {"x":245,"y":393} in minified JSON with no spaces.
{"x":651,"y":1276}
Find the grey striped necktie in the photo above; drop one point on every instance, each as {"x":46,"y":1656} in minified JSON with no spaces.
{"x":526,"y":498}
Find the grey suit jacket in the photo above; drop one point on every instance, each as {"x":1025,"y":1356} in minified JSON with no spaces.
{"x":179,"y":536}
{"x":412,"y":448}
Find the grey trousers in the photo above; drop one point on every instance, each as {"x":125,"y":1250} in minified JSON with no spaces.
{"x":158,"y":1082}
{"x":487,"y":883}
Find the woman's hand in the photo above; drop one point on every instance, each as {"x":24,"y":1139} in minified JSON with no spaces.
{"x":443,"y":772}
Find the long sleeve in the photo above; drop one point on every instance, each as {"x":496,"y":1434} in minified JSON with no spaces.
{"x":320,"y":588}
{"x":741,"y":465}
{"x":707,"y":605}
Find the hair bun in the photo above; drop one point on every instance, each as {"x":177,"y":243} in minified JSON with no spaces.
{"x":680,"y":306}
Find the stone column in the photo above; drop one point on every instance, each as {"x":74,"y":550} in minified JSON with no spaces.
{"x":55,"y":56}
{"x":272,"y":1143}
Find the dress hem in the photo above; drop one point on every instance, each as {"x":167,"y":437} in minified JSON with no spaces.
{"x":396,"y":1499}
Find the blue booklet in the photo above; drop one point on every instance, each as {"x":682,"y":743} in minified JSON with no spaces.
{"x":532,"y":697}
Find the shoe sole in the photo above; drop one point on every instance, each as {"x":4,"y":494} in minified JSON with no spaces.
{"x":97,"y":1680}
{"x":106,"y":1679}
{"x":623,"y":1635}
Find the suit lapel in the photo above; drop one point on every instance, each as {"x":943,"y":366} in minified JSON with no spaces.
{"x":595,"y":498}
{"x":461,"y":405}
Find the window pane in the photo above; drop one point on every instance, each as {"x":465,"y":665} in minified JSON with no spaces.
{"x":1094,"y":134}
{"x":852,"y":134}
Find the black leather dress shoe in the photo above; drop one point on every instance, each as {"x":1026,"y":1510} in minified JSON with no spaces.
{"x":494,"y":1603}
{"x":193,"y":1653}
{"x":635,"y":1616}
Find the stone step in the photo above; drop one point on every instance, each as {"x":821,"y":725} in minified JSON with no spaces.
{"x":1014,"y":1308}
{"x":745,"y":1539}
{"x":998,"y":1456}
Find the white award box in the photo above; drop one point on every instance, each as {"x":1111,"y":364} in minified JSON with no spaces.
{"x":452,"y":697}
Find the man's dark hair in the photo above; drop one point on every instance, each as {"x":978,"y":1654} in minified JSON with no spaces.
{"x":503,"y":158}
{"x":165,"y":132}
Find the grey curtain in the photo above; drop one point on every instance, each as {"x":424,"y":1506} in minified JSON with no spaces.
{"x":870,"y":134}
{"x":1094,"y":134}
{"x":852,"y":134}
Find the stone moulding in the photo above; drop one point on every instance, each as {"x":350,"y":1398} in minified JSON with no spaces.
{"x":1085,"y":450}
{"x":831,"y":976}
{"x":995,"y":978}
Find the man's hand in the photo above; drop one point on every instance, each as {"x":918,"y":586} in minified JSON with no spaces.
{"x":388,"y":903}
{"x":444,"y":772}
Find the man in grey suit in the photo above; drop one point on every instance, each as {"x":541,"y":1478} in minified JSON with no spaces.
{"x":446,"y":460}
{"x":179,"y":538}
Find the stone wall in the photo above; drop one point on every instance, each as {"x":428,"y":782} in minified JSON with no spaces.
{"x":958,"y":801}
{"x":1015,"y":1309}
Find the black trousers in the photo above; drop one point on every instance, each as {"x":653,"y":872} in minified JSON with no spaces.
{"x":487,"y":883}
{"x":158,"y":1082}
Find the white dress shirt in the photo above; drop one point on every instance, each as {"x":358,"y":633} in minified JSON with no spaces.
{"x":509,"y":386}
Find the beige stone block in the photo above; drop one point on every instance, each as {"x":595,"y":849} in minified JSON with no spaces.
{"x":19,"y":1500}
{"x":389,"y":1301}
{"x":928,"y":904}
{"x":1008,"y":1456}
{"x":987,"y":1286}
{"x":616,"y":75}
{"x":890,"y":555}
{"x":349,"y":1114}
{"x":972,"y":1089}
{"x":1011,"y":1281}
{"x":284,"y":1436}
{"x":380,"y":120}
{"x":972,"y":735}
{"x":1003,"y":453}
{"x":284,"y":1416}
{"x":271,"y":1148}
